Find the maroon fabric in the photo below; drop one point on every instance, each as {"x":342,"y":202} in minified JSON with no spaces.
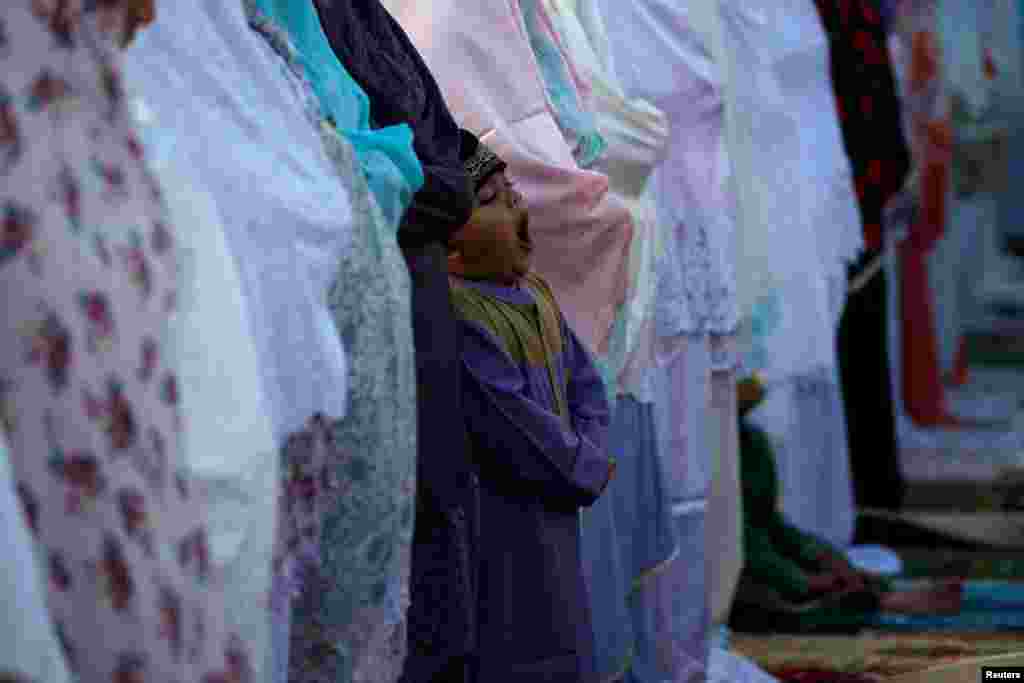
{"x":822,"y":676}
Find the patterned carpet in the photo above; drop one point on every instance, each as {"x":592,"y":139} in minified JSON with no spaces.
{"x":873,"y":656}
{"x":966,"y":482}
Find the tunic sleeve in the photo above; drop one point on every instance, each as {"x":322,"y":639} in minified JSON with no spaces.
{"x":587,"y":397}
{"x":523,"y":440}
{"x":804,"y":547}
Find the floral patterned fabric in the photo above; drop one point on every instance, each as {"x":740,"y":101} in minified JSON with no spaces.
{"x":695,"y":311}
{"x":203,"y":62}
{"x":88,"y":285}
{"x":368,"y":523}
{"x":784,"y":295}
{"x":349,"y":491}
{"x":636,"y":133}
{"x":669,"y":64}
{"x":574,"y":118}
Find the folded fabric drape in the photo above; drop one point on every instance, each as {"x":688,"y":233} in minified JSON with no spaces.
{"x":636,"y":134}
{"x":385,"y":154}
{"x":228,"y":432}
{"x":481,"y":57}
{"x":355,"y":606}
{"x":246,"y":127}
{"x":639,"y":517}
{"x":561,"y":83}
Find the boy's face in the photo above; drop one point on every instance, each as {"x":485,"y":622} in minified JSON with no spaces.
{"x":495,"y":244}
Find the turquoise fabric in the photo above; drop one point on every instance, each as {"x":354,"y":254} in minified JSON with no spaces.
{"x":987,"y":606}
{"x":385,"y":155}
{"x":577,"y":124}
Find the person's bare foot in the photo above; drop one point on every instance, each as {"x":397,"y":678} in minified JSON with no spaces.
{"x":945,"y":597}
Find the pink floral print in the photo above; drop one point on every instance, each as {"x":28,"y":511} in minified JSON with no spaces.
{"x":89,"y":401}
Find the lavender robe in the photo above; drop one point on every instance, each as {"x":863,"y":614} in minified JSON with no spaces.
{"x":538,"y":419}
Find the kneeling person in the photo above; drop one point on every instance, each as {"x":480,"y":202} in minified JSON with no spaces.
{"x":795,"y":581}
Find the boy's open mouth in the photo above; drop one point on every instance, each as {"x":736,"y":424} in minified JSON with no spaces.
{"x":523,"y":231}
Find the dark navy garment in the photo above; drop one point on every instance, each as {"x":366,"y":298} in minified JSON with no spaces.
{"x":869,"y":112}
{"x":380,"y":57}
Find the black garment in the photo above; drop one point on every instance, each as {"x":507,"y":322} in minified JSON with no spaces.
{"x":442,"y":613}
{"x":382,"y":60}
{"x":870,"y":118}
{"x":867,"y":394}
{"x":868,"y":104}
{"x":380,"y":57}
{"x":458,"y":670}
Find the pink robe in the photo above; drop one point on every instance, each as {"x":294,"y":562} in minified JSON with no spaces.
{"x":479,"y":53}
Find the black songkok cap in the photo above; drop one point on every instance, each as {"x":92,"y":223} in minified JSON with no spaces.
{"x":479,"y":160}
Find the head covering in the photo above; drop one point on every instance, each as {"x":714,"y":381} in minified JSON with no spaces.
{"x":386,"y":154}
{"x":479,"y":160}
{"x":382,"y":60}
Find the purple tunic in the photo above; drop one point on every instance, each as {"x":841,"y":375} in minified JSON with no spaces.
{"x":538,"y":418}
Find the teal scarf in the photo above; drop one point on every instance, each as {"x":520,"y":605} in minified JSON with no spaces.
{"x":386,"y":156}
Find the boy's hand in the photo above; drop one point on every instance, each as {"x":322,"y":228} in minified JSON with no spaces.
{"x":611,"y":474}
{"x":825,"y":582}
{"x":848,"y":576}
